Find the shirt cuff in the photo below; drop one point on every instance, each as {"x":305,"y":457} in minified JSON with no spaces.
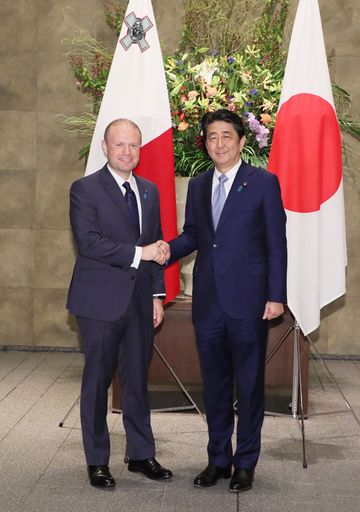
{"x":137,"y":257}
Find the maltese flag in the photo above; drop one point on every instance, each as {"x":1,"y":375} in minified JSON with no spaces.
{"x":136,"y":89}
{"x":306,"y":157}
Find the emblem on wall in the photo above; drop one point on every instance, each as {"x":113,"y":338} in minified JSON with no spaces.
{"x":137,"y":28}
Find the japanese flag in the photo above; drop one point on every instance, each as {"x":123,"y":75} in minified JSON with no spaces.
{"x":306,"y":156}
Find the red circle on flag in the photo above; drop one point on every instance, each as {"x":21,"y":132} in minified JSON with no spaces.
{"x":306,"y":152}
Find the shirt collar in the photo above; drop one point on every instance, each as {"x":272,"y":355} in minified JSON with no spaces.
{"x":119,"y":180}
{"x":231,"y":172}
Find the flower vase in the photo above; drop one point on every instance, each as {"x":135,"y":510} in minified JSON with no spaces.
{"x":187,"y":263}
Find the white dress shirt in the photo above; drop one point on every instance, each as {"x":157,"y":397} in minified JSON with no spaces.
{"x":119,"y":180}
{"x":230,"y":174}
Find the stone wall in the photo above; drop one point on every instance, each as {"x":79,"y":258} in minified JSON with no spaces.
{"x":38,"y":162}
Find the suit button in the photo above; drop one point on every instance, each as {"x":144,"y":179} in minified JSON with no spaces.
{"x":215,"y":246}
{"x":132,"y":278}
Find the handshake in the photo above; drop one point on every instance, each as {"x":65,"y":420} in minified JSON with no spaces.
{"x":158,"y":251}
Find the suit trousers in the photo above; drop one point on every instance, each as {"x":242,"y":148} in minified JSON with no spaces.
{"x":232,"y":354}
{"x":126,"y":344}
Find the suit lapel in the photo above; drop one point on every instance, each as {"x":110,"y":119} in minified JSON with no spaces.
{"x":144,"y":200}
{"x":237,"y":189}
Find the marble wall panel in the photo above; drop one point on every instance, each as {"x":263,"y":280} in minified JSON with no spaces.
{"x":16,"y":316}
{"x":341,"y":330}
{"x":20,"y":25}
{"x":56,"y":148}
{"x":17,"y":194}
{"x":59,"y":21}
{"x":53,"y":259}
{"x":18,"y":84}
{"x":53,"y":326}
{"x":56,"y":91}
{"x":16,"y":249}
{"x":347,"y":79}
{"x":52,"y":199}
{"x":18,"y":139}
{"x":169,"y":22}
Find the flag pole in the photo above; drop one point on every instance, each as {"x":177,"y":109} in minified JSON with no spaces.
{"x":297,"y":402}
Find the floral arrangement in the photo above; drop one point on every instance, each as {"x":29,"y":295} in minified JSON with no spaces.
{"x":203,"y":81}
{"x":240,"y":69}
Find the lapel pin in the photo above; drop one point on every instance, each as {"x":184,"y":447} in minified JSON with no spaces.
{"x":244,"y":185}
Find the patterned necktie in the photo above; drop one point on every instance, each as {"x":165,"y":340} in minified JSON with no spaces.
{"x":130,"y":199}
{"x":218,"y":199}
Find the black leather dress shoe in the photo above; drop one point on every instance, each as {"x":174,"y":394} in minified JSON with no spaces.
{"x":211,"y":475}
{"x":100,"y":476}
{"x":151,"y":468}
{"x":241,"y":480}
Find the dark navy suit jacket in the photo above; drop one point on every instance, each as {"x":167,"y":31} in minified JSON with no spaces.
{"x":103,"y":281}
{"x":244,"y":261}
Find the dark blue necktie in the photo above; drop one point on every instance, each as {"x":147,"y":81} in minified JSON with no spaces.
{"x":130,"y":199}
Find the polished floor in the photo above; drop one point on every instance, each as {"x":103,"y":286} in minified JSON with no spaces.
{"x":42,"y":466}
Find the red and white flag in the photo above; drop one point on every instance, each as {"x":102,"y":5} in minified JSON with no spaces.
{"x":136,"y":89}
{"x":306,"y":156}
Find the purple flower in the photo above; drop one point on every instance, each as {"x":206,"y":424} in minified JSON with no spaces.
{"x":261,"y":133}
{"x":253,"y":123}
{"x":248,"y":103}
{"x":213,"y":52}
{"x":253,"y":92}
{"x":230,"y":60}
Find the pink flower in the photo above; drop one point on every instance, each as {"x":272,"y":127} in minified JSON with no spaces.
{"x":192,"y":95}
{"x":210,"y":91}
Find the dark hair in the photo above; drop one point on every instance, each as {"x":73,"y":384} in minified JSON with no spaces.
{"x":222,"y":115}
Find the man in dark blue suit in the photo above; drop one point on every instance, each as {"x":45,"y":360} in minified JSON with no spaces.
{"x":116,"y":294}
{"x":235,"y":220}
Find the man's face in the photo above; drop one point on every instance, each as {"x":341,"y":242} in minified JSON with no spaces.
{"x":122,"y":148}
{"x":223,"y":145}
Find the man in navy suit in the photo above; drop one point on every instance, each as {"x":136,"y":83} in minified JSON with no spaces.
{"x":235,"y":220}
{"x":116,"y":294}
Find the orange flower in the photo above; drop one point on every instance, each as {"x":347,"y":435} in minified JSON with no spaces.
{"x":183,"y":98}
{"x":210,"y":91}
{"x":265,"y":118}
{"x":183,"y":126}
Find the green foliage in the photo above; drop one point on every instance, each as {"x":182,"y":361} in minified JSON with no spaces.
{"x":90,"y":62}
{"x":222,"y":25}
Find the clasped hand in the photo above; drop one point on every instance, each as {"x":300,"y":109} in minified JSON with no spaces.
{"x":158,"y":251}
